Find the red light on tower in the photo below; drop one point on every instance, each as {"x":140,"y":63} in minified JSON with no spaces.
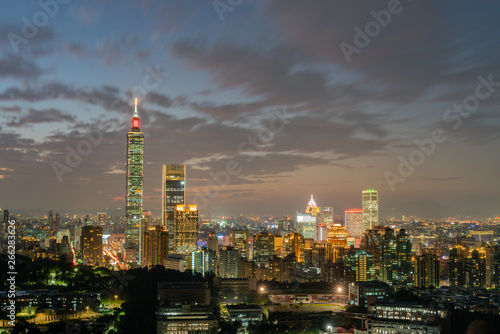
{"x":135,"y":122}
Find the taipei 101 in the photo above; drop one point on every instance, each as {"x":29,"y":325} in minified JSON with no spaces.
{"x":249,"y":167}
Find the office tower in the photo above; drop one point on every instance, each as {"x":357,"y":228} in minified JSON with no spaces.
{"x":92,"y":245}
{"x":306,"y":225}
{"x":325,"y":215}
{"x":404,"y":274}
{"x":353,"y":221}
{"x":173,"y":193}
{"x":155,"y":246}
{"x":370,"y":208}
{"x":185,"y":229}
{"x":427,"y":271}
{"x":229,"y":262}
{"x":212,"y":241}
{"x":204,"y":261}
{"x":263,"y":247}
{"x":239,"y":240}
{"x":134,"y":185}
{"x":101,"y":218}
{"x":294,"y":244}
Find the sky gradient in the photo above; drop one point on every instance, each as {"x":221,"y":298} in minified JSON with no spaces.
{"x":287,"y":94}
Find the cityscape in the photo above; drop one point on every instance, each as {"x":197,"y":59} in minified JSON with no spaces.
{"x":218,"y":168}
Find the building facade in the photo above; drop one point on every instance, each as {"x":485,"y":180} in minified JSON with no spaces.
{"x":173,"y":194}
{"x":185,"y":229}
{"x":134,"y":185}
{"x":370,"y":208}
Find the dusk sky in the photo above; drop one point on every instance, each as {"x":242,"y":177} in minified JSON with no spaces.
{"x":333,"y":95}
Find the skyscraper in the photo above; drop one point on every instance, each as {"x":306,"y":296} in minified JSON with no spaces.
{"x":173,"y":193}
{"x":185,"y":229}
{"x":353,"y":221}
{"x":293,"y":243}
{"x":57,"y":221}
{"x":239,"y":240}
{"x":263,"y":247}
{"x":325,"y":215}
{"x":5,"y":220}
{"x":92,"y":245}
{"x":404,"y":274}
{"x":134,"y":185}
{"x":229,"y":262}
{"x":51,"y":221}
{"x":155,"y":246}
{"x":370,"y":208}
{"x":427,"y":271}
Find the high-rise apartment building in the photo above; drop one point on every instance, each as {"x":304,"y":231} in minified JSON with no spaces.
{"x":229,"y":262}
{"x":427,"y":271}
{"x":91,"y":244}
{"x":204,"y":261}
{"x":458,"y":264}
{"x":389,"y":258}
{"x":353,"y":221}
{"x":239,"y":240}
{"x":185,"y":229}
{"x":155,"y":246}
{"x":173,"y":193}
{"x":263,"y":247}
{"x":134,"y":185}
{"x":360,"y":261}
{"x":370,"y":208}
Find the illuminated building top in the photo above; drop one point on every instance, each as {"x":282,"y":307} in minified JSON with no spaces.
{"x":135,"y":118}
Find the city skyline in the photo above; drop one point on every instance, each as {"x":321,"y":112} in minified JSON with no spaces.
{"x":247,"y":87}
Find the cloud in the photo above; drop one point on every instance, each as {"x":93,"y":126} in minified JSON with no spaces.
{"x":18,"y":67}
{"x":50,"y":115}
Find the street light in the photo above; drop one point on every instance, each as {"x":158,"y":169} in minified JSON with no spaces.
{"x":339,"y":289}
{"x":116,"y":299}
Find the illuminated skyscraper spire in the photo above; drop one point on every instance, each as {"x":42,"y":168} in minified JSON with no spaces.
{"x":136,"y":113}
{"x":135,"y":118}
{"x":311,"y":203}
